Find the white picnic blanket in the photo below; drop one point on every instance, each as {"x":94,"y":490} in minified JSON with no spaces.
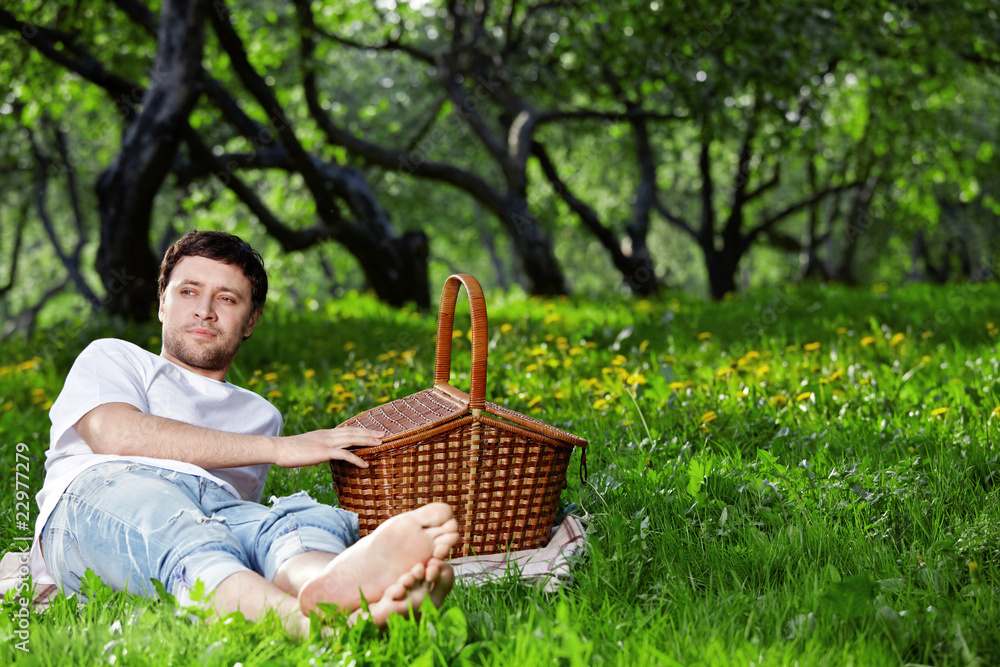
{"x":547,"y":566}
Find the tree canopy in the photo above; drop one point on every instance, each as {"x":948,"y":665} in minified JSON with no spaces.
{"x":550,"y":143}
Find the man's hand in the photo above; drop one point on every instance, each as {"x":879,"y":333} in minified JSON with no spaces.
{"x":124,"y":430}
{"x":325,"y":445}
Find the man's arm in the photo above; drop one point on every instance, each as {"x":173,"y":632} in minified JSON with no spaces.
{"x":124,"y":430}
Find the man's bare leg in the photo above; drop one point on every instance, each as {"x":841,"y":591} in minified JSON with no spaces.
{"x":253,"y":596}
{"x":377,"y":561}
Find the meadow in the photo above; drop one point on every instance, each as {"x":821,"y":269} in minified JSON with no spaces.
{"x":806,"y":476}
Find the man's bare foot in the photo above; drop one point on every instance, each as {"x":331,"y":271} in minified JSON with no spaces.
{"x":380,"y":560}
{"x":408,"y":594}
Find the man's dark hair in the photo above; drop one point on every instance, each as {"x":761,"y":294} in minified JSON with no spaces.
{"x":221,"y":247}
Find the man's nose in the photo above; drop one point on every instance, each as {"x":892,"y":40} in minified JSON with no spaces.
{"x":205,"y":309}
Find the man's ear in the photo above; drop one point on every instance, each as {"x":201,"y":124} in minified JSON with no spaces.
{"x":159,"y":310}
{"x":251,"y":323}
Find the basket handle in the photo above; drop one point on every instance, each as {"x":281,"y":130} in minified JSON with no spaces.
{"x":446,"y":322}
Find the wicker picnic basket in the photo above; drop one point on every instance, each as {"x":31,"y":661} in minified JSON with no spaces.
{"x":500,"y":471}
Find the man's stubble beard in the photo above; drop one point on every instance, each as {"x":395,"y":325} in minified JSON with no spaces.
{"x":215,"y":357}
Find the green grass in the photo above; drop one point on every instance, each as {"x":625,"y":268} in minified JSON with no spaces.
{"x":797,"y":477}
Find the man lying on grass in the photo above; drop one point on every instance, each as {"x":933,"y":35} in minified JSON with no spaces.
{"x":157,"y":465}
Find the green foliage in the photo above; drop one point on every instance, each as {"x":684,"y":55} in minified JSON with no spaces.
{"x":806,"y":475}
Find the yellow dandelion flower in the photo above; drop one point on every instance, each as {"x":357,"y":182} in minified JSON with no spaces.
{"x":349,"y":345}
{"x":387,"y":372}
{"x":752,"y":354}
{"x":708,"y":417}
{"x":559,"y":396}
{"x":309,"y":373}
{"x":535,"y":401}
{"x":704,"y":335}
{"x":995,"y":413}
{"x":669,"y":358}
{"x":841,"y":330}
{"x":334,"y":407}
{"x":723,"y":372}
{"x":778,"y":400}
{"x":360,"y":372}
{"x":531,"y":368}
{"x":937,"y":412}
{"x":383,"y":399}
{"x":763,"y":370}
{"x":505,"y":327}
{"x":599,"y":403}
{"x":866,"y":341}
{"x":554,"y":317}
{"x":636,"y":378}
{"x":47,"y":406}
{"x":810,"y":347}
{"x":836,"y":375}
{"x":270,"y":377}
{"x":274,"y":393}
{"x":897,"y":339}
{"x":575,"y":351}
{"x":9,"y":405}
{"x":926,"y":359}
{"x":804,"y":396}
{"x":538,"y":352}
{"x":926,"y":334}
{"x":619,"y":360}
{"x":347,"y":377}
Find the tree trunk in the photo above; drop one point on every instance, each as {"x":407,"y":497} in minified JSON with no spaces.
{"x":534,"y":248}
{"x":722,"y":266}
{"x":396,"y":268}
{"x":126,"y":190}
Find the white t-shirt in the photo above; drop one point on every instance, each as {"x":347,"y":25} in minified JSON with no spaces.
{"x":115,"y":371}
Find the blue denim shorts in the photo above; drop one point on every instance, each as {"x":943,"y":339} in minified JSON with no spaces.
{"x":131,"y":523}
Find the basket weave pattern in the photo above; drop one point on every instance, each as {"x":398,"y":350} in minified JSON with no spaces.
{"x":500,"y":471}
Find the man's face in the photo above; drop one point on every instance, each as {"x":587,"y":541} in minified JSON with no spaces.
{"x":206,"y":310}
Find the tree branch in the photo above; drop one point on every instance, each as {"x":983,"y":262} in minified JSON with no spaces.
{"x":15,"y":254}
{"x":326,"y":207}
{"x":771,"y":221}
{"x":70,"y":262}
{"x":62,"y":49}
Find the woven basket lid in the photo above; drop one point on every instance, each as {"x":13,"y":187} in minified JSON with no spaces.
{"x":412,"y":414}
